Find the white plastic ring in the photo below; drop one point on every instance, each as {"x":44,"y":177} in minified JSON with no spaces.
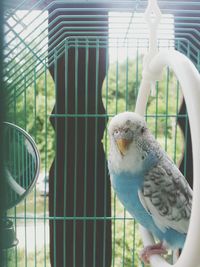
{"x":189,"y":79}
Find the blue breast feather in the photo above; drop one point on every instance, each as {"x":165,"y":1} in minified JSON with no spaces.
{"x":126,"y":186}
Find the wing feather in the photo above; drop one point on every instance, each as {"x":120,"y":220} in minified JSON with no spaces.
{"x":167,"y":196}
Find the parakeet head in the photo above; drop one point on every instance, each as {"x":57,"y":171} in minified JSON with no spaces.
{"x":125,"y":129}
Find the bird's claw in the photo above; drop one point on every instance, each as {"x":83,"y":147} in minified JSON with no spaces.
{"x":157,"y":249}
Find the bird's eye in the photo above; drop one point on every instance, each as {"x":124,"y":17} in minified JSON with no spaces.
{"x":116,"y":131}
{"x":142,"y":129}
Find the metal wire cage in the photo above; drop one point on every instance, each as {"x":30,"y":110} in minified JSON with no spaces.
{"x":69,"y":66}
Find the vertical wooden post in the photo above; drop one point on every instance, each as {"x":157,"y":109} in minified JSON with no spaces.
{"x":79,"y":182}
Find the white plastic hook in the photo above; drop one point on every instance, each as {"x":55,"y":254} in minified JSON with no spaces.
{"x":152,"y":17}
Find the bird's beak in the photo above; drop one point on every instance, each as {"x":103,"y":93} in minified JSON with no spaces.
{"x":123,"y":145}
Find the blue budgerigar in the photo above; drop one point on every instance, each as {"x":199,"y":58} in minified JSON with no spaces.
{"x":148,"y":183}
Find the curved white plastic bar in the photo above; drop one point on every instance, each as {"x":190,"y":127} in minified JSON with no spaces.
{"x":189,"y":79}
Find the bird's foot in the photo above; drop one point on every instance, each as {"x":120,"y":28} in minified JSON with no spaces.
{"x":157,"y":249}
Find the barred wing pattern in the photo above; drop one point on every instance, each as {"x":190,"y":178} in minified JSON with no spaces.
{"x":167,"y":196}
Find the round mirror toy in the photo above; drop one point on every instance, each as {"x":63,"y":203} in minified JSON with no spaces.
{"x":21,"y":170}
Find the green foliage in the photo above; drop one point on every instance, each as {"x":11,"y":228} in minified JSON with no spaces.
{"x":121,"y":85}
{"x":32,"y":261}
{"x":31,"y":111}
